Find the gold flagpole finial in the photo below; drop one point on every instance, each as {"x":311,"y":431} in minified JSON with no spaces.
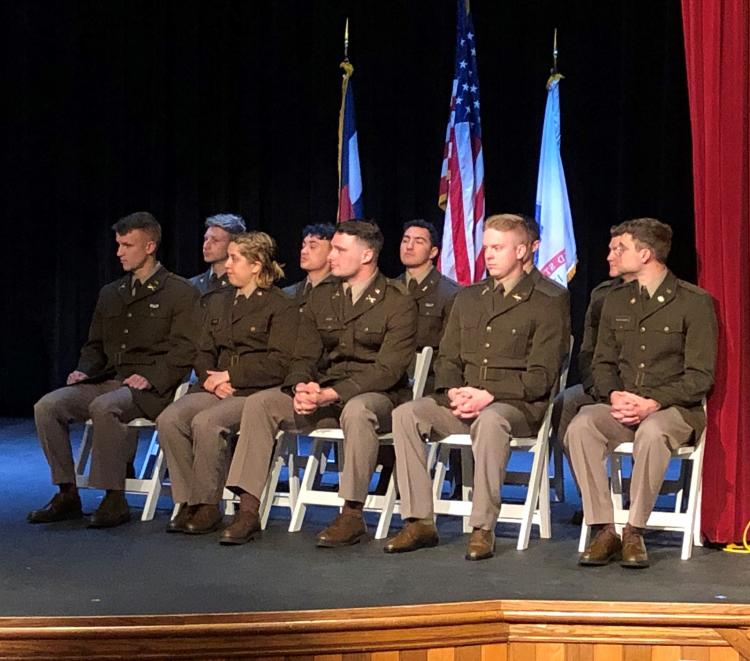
{"x":346,"y":41}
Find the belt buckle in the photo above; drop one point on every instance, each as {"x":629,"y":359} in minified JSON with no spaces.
{"x":118,"y":358}
{"x":483,"y":372}
{"x":234,"y":360}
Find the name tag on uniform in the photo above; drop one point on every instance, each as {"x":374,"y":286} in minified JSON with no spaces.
{"x":153,"y":306}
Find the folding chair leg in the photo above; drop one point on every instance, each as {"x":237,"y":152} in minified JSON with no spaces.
{"x":84,"y":452}
{"x":467,"y":480}
{"x":152,"y":497}
{"x":545,"y":519}
{"x":389,"y":504}
{"x":692,"y":516}
{"x":293,"y":478}
{"x":532,"y":498}
{"x":308,"y":479}
{"x":151,"y":452}
{"x":697,"y":536}
{"x":266,"y":498}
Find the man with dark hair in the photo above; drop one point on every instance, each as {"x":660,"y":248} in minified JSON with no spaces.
{"x":653,"y":364}
{"x":499,"y":359}
{"x":138,"y":351}
{"x":219,"y":232}
{"x":313,"y":259}
{"x":432,"y":292}
{"x":355,"y":343}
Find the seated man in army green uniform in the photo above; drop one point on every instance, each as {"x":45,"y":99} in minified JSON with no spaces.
{"x":499,"y":359}
{"x":653,"y":364}
{"x":219,"y":232}
{"x":432,"y":291}
{"x":355,"y":342}
{"x":139,"y":349}
{"x":313,"y":259}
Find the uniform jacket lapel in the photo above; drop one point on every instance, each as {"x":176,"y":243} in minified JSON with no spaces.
{"x":662,"y":296}
{"x":370,"y":297}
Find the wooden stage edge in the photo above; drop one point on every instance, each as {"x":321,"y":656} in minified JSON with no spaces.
{"x":468,"y":631}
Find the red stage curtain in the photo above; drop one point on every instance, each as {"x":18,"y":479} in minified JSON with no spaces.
{"x":717,"y":48}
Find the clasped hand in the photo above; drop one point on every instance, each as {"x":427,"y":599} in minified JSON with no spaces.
{"x":309,"y":397}
{"x":630,"y":409}
{"x":467,"y":402}
{"x":219,"y":384}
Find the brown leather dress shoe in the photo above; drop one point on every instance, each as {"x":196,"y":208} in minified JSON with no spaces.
{"x":181,"y":520}
{"x":347,"y":528}
{"x":604,"y":547}
{"x":481,"y":544}
{"x":112,"y":511}
{"x":205,"y":519}
{"x":241,"y":530}
{"x":634,"y":553}
{"x":62,"y":507}
{"x":414,"y":535}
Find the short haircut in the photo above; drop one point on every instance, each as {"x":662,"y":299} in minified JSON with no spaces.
{"x":425,"y":225}
{"x":366,"y":231}
{"x":324,"y":231}
{"x":508,"y":222}
{"x":532,"y":227}
{"x":229,"y":222}
{"x":260,"y":247}
{"x":140,"y":220}
{"x":647,"y":233}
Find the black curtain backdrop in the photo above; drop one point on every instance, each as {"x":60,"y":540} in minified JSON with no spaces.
{"x":188,"y":108}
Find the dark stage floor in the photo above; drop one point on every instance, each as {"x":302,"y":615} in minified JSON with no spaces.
{"x":66,"y":569}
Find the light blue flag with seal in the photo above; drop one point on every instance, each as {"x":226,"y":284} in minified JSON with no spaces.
{"x":556,"y":257}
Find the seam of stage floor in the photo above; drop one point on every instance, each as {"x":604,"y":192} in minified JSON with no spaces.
{"x":67,"y":569}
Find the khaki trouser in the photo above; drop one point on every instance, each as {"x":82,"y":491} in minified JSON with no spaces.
{"x":110,"y":406}
{"x":193,"y":432}
{"x":592,"y":436}
{"x":362,"y":418}
{"x":490,"y":433}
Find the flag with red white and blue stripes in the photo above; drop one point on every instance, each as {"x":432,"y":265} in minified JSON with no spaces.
{"x":462,"y":175}
{"x":350,"y":180}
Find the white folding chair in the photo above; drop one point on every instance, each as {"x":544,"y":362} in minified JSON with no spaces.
{"x":316,"y":462}
{"x":153,"y":467}
{"x":535,"y":510}
{"x":687,"y":522}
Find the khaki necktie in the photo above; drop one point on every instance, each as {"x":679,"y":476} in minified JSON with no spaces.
{"x":412,"y":286}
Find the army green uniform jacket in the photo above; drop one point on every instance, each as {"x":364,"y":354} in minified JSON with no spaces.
{"x":365,"y":349}
{"x":510,"y":346}
{"x":591,"y":331}
{"x":208,"y":284}
{"x":297,"y":291}
{"x":148,"y":334}
{"x":252,"y":338}
{"x":663,"y":348}
{"x":434,"y":298}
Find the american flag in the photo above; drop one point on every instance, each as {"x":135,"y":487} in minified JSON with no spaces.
{"x":462,"y":175}
{"x":350,"y":180}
